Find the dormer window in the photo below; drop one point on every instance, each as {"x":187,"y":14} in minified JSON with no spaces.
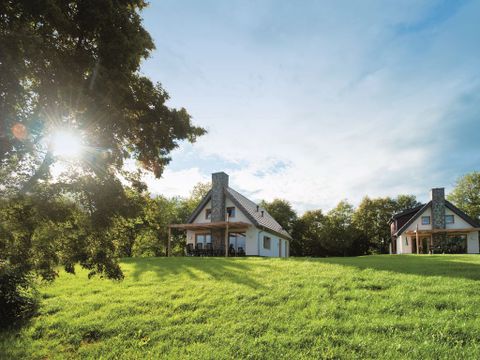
{"x":449,"y":219}
{"x":208,"y":214}
{"x":231,"y":211}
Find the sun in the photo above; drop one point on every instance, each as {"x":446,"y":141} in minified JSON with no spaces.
{"x":67,"y":145}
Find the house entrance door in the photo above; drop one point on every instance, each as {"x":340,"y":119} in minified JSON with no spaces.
{"x":425,"y":245}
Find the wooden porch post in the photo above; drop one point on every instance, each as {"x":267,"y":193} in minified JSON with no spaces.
{"x":226,"y":236}
{"x":169,"y":241}
{"x":416,"y":235}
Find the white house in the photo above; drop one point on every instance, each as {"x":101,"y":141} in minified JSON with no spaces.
{"x":227,"y":223}
{"x":435,"y":227}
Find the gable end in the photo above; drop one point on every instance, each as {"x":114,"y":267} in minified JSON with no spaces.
{"x":413,"y":218}
{"x":200,"y":207}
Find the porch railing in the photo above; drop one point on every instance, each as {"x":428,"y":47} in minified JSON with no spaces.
{"x":210,"y":250}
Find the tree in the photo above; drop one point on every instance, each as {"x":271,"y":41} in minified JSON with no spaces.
{"x":282,"y":211}
{"x":307,"y":234}
{"x":143,"y":229}
{"x":55,"y":51}
{"x":339,"y":232}
{"x":372,"y":219}
{"x":466,"y":194}
{"x":405,"y":202}
{"x":189,"y":204}
{"x":72,"y":67}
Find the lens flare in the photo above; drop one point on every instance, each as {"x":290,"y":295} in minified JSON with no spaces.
{"x":66,"y":144}
{"x":19,"y":131}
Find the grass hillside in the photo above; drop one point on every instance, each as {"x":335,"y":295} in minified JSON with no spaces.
{"x":366,"y":307}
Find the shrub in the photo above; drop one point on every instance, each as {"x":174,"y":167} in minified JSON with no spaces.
{"x":18,"y":296}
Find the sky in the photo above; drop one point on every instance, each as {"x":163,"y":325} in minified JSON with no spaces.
{"x":319,"y":101}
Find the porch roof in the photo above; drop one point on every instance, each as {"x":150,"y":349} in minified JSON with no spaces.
{"x":437,"y":231}
{"x":232,"y":225}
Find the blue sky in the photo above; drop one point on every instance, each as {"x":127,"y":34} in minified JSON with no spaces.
{"x":316,"y":101}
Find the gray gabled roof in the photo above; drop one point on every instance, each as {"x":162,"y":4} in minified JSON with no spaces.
{"x":266,"y":221}
{"x":406,"y":212}
{"x":249,"y":208}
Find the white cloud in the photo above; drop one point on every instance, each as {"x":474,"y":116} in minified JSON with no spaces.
{"x":175,"y":183}
{"x":319,"y":104}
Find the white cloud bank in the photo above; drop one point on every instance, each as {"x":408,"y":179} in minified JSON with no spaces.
{"x":319,"y":104}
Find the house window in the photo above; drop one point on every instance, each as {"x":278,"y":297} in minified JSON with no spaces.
{"x":208,"y":214}
{"x":267,"y":242}
{"x":237,"y":241}
{"x":231,"y":211}
{"x":449,"y":219}
{"x":203,"y":238}
{"x":425,"y":220}
{"x":452,"y":244}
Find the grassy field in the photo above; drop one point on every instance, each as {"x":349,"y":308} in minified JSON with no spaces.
{"x":366,"y":307}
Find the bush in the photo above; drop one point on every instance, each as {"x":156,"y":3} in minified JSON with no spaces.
{"x":18,"y":296}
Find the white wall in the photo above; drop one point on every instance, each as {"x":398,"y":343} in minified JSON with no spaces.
{"x":239,"y":215}
{"x":274,"y":244}
{"x":400,"y":244}
{"x":458,"y":223}
{"x":418,"y":221}
{"x":201,"y":216}
{"x":190,"y":237}
{"x":251,"y":248}
{"x":472,"y":243}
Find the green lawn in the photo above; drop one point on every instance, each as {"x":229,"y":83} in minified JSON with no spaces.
{"x":366,"y":307}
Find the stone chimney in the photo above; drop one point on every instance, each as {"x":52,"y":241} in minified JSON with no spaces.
{"x":219,"y":183}
{"x":438,"y":208}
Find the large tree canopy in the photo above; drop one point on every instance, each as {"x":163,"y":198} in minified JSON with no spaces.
{"x":282,"y":211}
{"x":71,"y":70}
{"x":466,"y":194}
{"x":75,"y":65}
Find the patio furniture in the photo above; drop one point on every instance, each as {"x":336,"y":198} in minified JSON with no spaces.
{"x":208,"y":249}
{"x":190,"y":249}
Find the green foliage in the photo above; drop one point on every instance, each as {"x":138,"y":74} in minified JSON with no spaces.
{"x":372,"y":307}
{"x":54,"y":51}
{"x":307,"y":235}
{"x":339,"y":231}
{"x":282,"y":211}
{"x":372,"y":219}
{"x":18,"y":298}
{"x":74,"y":65}
{"x":405,"y":202}
{"x":143,"y":229}
{"x":466,"y":194}
{"x":342,"y":231}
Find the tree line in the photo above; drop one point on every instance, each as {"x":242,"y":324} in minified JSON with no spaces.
{"x":342,"y":231}
{"x":349,"y":231}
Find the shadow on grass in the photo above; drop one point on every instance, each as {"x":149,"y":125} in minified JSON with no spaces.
{"x":235,"y":270}
{"x":453,"y":266}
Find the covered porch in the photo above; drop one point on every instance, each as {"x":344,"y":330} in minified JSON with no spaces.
{"x":222,"y":238}
{"x":440,"y":241}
